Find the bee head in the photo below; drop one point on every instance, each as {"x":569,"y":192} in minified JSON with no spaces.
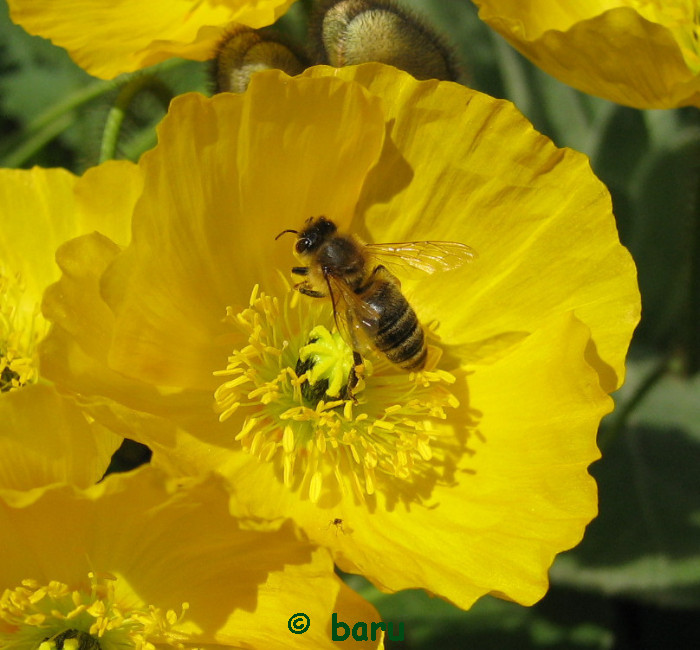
{"x":315,"y":232}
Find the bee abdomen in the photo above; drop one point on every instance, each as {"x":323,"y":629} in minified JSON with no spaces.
{"x":400,"y":337}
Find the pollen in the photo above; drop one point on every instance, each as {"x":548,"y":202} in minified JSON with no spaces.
{"x":286,"y":392}
{"x":85,"y":617}
{"x":21,"y":328}
{"x":327,"y":361}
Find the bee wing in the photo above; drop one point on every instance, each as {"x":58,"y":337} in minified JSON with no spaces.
{"x":426,"y":256}
{"x":353,"y":316}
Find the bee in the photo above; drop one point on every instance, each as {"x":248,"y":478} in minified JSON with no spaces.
{"x":366,"y":297}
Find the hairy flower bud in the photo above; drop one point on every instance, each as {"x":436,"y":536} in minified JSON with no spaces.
{"x":246,"y":50}
{"x":348,"y":32}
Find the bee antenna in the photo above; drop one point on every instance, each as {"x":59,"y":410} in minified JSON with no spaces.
{"x":296,"y":232}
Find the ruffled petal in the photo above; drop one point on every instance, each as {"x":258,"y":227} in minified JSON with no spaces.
{"x":241,"y":582}
{"x":534,"y":331}
{"x":75,"y":352}
{"x":105,"y":197}
{"x":616,"y":52}
{"x":45,"y":439}
{"x":204,"y":229}
{"x":127,"y":35}
{"x":42,"y":208}
{"x":539,"y":219}
{"x":521,"y":492}
{"x":38,"y":214}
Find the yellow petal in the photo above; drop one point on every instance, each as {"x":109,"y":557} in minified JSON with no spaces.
{"x":46,"y":439}
{"x":521,"y":492}
{"x":75,"y":352}
{"x":551,"y":292}
{"x":127,"y":35}
{"x":230,"y":173}
{"x":42,"y":208}
{"x":626,"y":54}
{"x":105,"y":199}
{"x":165,"y":545}
{"x":472,"y":169}
{"x":38,"y":214}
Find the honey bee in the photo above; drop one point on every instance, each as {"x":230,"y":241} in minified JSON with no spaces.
{"x":366,"y":297}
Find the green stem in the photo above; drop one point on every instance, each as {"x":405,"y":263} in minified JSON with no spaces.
{"x":56,"y":119}
{"x":117,"y":113}
{"x":133,"y":148}
{"x":49,"y":124}
{"x":622,"y":415}
{"x":36,"y":142}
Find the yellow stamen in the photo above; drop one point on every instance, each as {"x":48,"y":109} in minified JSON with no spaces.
{"x":55,"y":617}
{"x":287,"y":386}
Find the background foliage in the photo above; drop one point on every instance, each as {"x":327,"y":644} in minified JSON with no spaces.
{"x":634,"y":582}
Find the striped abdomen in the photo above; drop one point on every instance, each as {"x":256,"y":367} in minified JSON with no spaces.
{"x":397,"y":332}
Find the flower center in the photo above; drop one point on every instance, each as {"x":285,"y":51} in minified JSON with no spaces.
{"x":21,"y":328}
{"x":56,"y":617}
{"x":300,"y":402}
{"x":326,"y":362}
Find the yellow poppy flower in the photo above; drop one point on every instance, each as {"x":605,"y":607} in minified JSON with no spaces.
{"x":641,"y":53}
{"x":135,"y":562}
{"x":106,"y":39}
{"x":44,"y":438}
{"x":463,"y":479}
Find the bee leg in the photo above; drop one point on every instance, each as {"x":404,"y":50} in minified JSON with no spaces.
{"x":356,"y":373}
{"x":300,"y":270}
{"x":305,"y":288}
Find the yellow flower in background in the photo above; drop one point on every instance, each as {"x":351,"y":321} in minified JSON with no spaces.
{"x":136,"y":562}
{"x":464,"y":479}
{"x":44,"y":438}
{"x":106,"y":39}
{"x":640,"y":53}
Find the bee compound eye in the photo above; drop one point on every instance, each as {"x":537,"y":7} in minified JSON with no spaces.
{"x":302,"y":245}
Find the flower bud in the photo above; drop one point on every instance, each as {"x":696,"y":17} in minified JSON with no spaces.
{"x":246,"y":50}
{"x":347,"y":32}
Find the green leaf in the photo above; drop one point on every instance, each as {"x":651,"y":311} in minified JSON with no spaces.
{"x":659,"y":234}
{"x":35,"y":75}
{"x":564,"y":620}
{"x":622,"y":141}
{"x":645,"y":543}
